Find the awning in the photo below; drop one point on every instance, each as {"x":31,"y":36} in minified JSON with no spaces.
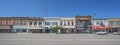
{"x":5,"y":27}
{"x":83,"y":28}
{"x":100,"y":27}
{"x":20,"y":27}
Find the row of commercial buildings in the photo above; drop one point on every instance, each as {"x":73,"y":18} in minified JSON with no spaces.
{"x":77,"y":24}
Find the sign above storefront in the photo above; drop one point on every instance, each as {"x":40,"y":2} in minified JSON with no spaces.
{"x":83,"y":19}
{"x":100,"y":27}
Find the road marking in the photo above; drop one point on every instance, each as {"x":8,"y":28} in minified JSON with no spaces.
{"x":65,"y":39}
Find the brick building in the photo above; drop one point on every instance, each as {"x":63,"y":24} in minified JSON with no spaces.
{"x":83,"y":24}
{"x":6,"y":24}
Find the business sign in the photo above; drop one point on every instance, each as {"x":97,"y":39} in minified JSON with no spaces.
{"x":83,"y":19}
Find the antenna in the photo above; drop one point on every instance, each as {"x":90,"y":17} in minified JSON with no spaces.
{"x":46,"y":9}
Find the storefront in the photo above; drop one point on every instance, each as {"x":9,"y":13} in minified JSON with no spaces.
{"x":5,"y":29}
{"x":100,"y":28}
{"x":67,"y":30}
{"x":100,"y":24}
{"x":47,"y":29}
{"x":36,"y":30}
{"x":20,"y":29}
{"x":83,"y":24}
{"x":50,"y":22}
{"x":114,"y":24}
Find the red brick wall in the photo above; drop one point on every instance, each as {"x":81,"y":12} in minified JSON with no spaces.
{"x":6,"y":22}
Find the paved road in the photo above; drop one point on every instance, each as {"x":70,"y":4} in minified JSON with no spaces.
{"x":58,"y":39}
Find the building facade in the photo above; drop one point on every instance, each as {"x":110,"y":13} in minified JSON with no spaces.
{"x":50,"y":22}
{"x":20,"y":24}
{"x":99,"y":24}
{"x":114,"y":24}
{"x":6,"y":24}
{"x":77,"y":24}
{"x":83,"y":24}
{"x":67,"y":24}
{"x":35,"y":25}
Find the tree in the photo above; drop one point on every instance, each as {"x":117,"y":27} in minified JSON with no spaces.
{"x":55,"y":29}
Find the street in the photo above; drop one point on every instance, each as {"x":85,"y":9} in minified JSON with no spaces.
{"x":58,"y":39}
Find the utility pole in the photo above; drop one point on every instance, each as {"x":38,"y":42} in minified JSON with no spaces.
{"x":94,"y":15}
{"x":46,"y":9}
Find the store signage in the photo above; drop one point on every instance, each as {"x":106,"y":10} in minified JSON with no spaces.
{"x":100,"y":27}
{"x":83,"y":18}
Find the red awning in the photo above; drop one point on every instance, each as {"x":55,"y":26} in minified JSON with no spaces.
{"x":100,"y":27}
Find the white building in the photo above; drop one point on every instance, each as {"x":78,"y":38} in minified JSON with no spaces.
{"x":67,"y":24}
{"x":50,"y":22}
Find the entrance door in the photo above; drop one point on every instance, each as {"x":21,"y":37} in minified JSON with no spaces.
{"x":40,"y":31}
{"x":79,"y":31}
{"x":63,"y":31}
{"x":18,"y":30}
{"x":47,"y":31}
{"x":23,"y":30}
{"x":71,"y":30}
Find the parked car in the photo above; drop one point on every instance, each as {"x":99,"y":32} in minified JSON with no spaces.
{"x":103,"y":32}
{"x":116,"y":33}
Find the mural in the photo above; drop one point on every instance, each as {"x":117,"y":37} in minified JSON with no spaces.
{"x":100,"y":24}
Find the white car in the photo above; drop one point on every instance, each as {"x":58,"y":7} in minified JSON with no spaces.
{"x":116,"y":33}
{"x":101,"y":32}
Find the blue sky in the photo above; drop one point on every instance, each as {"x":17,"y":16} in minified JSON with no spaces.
{"x":60,"y":8}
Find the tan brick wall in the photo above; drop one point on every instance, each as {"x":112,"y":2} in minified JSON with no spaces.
{"x":113,"y":19}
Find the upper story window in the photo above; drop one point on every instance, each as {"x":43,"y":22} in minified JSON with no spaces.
{"x":40,"y":23}
{"x":54,"y":23}
{"x":68,"y":23}
{"x":30,"y":23}
{"x":17,"y":22}
{"x":118,"y":22}
{"x":111,"y":23}
{"x":23,"y":22}
{"x":20,"y":22}
{"x":60,"y":23}
{"x":35,"y":23}
{"x":47,"y":23}
{"x":72,"y":23}
{"x":65,"y":23}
